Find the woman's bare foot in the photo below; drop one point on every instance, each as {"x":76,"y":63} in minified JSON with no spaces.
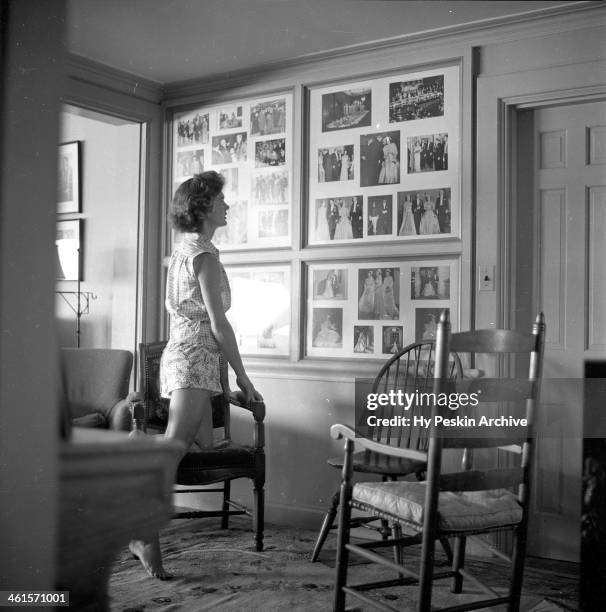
{"x":150,"y":556}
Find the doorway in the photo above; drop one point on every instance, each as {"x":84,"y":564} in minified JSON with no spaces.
{"x":101,"y":309}
{"x":558,"y":249}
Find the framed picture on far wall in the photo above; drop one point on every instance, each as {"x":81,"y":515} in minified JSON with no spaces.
{"x":393,"y":143}
{"x":68,"y":188}
{"x":68,"y":249}
{"x":249,"y":142}
{"x":369,"y":309}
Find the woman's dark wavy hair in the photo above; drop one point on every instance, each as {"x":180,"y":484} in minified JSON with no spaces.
{"x":193,"y":199}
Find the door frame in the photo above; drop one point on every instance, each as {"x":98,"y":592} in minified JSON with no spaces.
{"x":514,"y":117}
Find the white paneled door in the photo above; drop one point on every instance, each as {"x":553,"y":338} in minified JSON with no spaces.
{"x":570,"y":288}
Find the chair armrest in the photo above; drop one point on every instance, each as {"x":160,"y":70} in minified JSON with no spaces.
{"x":338,"y":431}
{"x":258,"y":411}
{"x":119,"y":416}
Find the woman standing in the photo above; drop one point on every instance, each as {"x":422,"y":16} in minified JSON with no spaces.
{"x":366,"y":303}
{"x":379,"y":295}
{"x":389,"y":301}
{"x":390,"y":168}
{"x":197,"y":296}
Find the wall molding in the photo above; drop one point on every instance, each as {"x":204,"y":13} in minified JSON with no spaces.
{"x":84,"y":69}
{"x":487,"y":31}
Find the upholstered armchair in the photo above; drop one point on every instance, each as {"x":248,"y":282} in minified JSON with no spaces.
{"x":95,"y":387}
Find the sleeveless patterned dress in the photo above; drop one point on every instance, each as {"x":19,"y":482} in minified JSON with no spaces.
{"x":192,"y":357}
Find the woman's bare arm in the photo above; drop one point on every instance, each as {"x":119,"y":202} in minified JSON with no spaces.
{"x":209,"y":276}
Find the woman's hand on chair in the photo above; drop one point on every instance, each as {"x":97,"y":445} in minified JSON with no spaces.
{"x":248,"y":389}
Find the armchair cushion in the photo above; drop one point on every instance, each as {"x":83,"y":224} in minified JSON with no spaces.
{"x":95,"y":382}
{"x":465,"y":511}
{"x":94,"y":419}
{"x":198,"y":467}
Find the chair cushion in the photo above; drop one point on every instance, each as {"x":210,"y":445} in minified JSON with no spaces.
{"x":467,"y":511}
{"x":201,"y":467}
{"x":377,"y":463}
{"x":94,"y":419}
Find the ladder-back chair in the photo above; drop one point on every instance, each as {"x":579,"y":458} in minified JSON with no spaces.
{"x":455,"y":505}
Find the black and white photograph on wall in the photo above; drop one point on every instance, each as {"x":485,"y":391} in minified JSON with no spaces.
{"x":68,"y":187}
{"x":229,"y":149}
{"x":336,"y":164}
{"x":380,"y":158}
{"x":330,"y":284}
{"x":193,"y":130}
{"x":271,"y":187}
{"x":380,"y":215}
{"x":190,"y":162}
{"x":68,"y":250}
{"x":339,"y":218}
{"x":417,"y":99}
{"x":364,"y":339}
{"x":424,"y":212}
{"x":378,"y":293}
{"x":346,"y":109}
{"x":270,"y":153}
{"x":427,"y":153}
{"x":273,"y":223}
{"x":393,"y":339}
{"x":268,"y":117}
{"x":235,"y":233}
{"x":231,"y":179}
{"x":327,"y":328}
{"x":229,"y":118}
{"x":426,"y":323}
{"x":430,"y":283}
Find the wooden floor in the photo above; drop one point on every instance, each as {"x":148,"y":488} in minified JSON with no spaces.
{"x":218,"y":569}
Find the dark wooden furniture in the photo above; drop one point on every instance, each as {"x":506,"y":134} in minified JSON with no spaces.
{"x":454,"y":505}
{"x":218,"y":465}
{"x":410,"y":370}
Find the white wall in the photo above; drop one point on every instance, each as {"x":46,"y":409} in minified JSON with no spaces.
{"x":110,"y":197}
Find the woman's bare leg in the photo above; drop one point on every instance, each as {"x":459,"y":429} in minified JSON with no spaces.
{"x":189,"y":418}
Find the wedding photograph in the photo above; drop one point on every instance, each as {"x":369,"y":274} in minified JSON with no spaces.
{"x":330,"y":284}
{"x":380,"y":158}
{"x":378,"y":293}
{"x":327,"y":328}
{"x":430,"y":283}
{"x":364,"y":339}
{"x":338,"y":219}
{"x":427,"y":153}
{"x":336,"y":164}
{"x":421,"y":213}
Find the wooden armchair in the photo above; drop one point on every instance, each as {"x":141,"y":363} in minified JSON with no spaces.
{"x":455,"y":505}
{"x":218,"y":465}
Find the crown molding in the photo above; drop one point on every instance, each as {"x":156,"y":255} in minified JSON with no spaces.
{"x":568,"y":16}
{"x":83,"y":69}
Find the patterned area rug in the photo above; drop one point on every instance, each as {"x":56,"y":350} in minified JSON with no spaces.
{"x":218,"y":569}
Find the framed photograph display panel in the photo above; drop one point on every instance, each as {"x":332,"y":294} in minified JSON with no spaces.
{"x":250,"y":143}
{"x":384,"y":158}
{"x":373,"y":309}
{"x":260,"y":308}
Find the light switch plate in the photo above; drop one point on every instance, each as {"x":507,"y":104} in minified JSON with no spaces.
{"x":486,"y":278}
